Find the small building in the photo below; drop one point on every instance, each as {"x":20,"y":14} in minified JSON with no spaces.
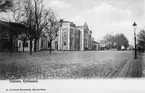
{"x":122,"y":47}
{"x":42,"y":44}
{"x":95,"y":45}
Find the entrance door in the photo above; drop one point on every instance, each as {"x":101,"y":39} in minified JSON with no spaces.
{"x":56,"y":46}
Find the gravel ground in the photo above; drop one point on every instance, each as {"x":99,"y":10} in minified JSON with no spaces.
{"x":61,"y":64}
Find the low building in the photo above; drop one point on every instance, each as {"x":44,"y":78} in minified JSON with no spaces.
{"x":9,"y":31}
{"x":42,"y":44}
{"x":95,"y":45}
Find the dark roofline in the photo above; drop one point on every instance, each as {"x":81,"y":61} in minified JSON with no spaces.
{"x":66,"y":21}
{"x":17,"y":25}
{"x":96,"y":42}
{"x":4,"y":23}
{"x":79,"y":26}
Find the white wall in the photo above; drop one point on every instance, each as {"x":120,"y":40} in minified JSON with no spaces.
{"x":20,"y":48}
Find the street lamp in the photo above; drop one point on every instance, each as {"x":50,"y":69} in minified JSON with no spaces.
{"x":135,"y":52}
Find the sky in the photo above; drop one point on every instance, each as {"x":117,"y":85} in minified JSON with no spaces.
{"x":102,"y":16}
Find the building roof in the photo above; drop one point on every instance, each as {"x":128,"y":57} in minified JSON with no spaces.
{"x":79,"y":26}
{"x":19,"y":28}
{"x":66,"y":21}
{"x":3,"y":23}
{"x":95,"y":42}
{"x":71,"y":23}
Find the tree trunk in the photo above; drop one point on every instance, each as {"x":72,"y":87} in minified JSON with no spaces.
{"x":50,"y":46}
{"x":31,"y":46}
{"x":35,"y":42}
{"x":23,"y":46}
{"x":11,"y":46}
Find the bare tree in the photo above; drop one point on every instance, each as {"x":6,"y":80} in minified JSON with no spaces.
{"x":23,"y":37}
{"x":40,"y":18}
{"x":17,"y":13}
{"x":13,"y":16}
{"x":5,"y":5}
{"x":52,"y":28}
{"x":29,"y":21}
{"x":36,"y":20}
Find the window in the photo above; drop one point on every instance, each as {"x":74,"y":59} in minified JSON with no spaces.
{"x":64,"y":43}
{"x":20,"y":44}
{"x":26,"y":44}
{"x":42,"y":44}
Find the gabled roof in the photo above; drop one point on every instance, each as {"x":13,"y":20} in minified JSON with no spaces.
{"x":95,"y":42}
{"x":13,"y":24}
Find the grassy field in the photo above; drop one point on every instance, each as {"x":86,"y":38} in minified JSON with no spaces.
{"x":61,"y":64}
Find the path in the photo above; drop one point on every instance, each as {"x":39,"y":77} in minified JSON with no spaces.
{"x":128,"y":69}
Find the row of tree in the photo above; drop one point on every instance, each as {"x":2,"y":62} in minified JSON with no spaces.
{"x":38,"y":20}
{"x":114,"y":41}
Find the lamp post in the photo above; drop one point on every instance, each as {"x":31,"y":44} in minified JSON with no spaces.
{"x":135,"y":51}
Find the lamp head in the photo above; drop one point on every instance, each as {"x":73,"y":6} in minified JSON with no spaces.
{"x":134,"y":25}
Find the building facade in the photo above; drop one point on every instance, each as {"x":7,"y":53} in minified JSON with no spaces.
{"x":90,"y":40}
{"x":66,"y":36}
{"x":85,"y":37}
{"x":77,"y":40}
{"x":95,"y":45}
{"x":81,"y":37}
{"x":42,"y":44}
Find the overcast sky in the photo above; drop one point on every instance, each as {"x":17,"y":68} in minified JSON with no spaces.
{"x":102,"y":16}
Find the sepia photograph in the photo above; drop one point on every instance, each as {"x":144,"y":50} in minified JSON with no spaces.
{"x":72,"y":43}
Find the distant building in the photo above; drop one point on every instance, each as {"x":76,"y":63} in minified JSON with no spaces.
{"x":81,"y":29}
{"x":95,"y":45}
{"x":85,"y":37}
{"x":122,"y":47}
{"x":90,"y":40}
{"x":77,"y":40}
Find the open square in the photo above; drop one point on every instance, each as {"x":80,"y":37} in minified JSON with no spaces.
{"x":64,"y":64}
